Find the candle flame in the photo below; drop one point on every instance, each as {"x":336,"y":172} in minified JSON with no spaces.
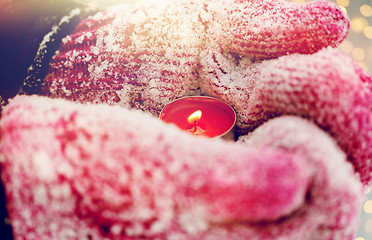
{"x":194,"y":117}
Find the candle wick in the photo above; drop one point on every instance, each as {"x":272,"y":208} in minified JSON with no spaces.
{"x":196,"y":130}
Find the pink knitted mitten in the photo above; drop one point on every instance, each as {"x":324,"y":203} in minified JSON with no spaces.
{"x":99,"y":172}
{"x":146,"y":56}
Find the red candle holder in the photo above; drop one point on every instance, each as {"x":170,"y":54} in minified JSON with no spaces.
{"x":201,"y":115}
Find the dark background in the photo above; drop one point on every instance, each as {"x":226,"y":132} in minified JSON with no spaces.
{"x":23,"y":24}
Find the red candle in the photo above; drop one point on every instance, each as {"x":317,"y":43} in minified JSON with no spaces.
{"x":200,"y":115}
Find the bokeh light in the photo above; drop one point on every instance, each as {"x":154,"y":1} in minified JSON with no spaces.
{"x":358,"y":54}
{"x":347,"y":46}
{"x":299,"y":1}
{"x":360,"y":238}
{"x":358,"y":24}
{"x":343,"y":3}
{"x":105,"y":3}
{"x":368,"y":206}
{"x":368,"y":32}
{"x":368,"y":226}
{"x":366,"y":10}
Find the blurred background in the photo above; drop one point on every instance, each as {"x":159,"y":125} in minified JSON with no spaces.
{"x":23,"y":24}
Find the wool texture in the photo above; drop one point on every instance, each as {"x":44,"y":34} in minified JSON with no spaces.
{"x":74,"y":171}
{"x":91,"y":160}
{"x":265,"y":58}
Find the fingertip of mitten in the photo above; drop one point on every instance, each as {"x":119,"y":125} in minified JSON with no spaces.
{"x":268,"y":29}
{"x":261,"y":189}
{"x":332,"y":20}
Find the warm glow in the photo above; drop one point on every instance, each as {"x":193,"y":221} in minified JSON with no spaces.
{"x":364,"y":66}
{"x":343,"y":3}
{"x":366,"y":10}
{"x":347,"y":46}
{"x":194,"y":117}
{"x":368,"y":226}
{"x":368,"y":32}
{"x":105,"y":3}
{"x":368,"y":206}
{"x":298,"y":1}
{"x":343,"y":9}
{"x":358,"y":53}
{"x":358,"y":24}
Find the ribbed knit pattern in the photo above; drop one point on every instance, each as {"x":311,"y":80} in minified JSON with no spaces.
{"x":146,"y":56}
{"x":136,"y":57}
{"x":100,"y":172}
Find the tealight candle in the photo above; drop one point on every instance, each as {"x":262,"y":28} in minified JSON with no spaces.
{"x":201,"y":115}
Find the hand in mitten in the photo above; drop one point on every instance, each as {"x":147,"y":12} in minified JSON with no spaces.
{"x":326,"y":87}
{"x":100,"y":172}
{"x":115,"y":173}
{"x":146,"y":56}
{"x":259,"y":56}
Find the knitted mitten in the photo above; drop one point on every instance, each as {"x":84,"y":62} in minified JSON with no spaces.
{"x":146,"y":56}
{"x":106,"y":172}
{"x":313,"y":86}
{"x":98,"y":172}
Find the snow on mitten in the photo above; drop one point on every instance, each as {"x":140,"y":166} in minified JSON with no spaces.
{"x":140,"y":57}
{"x":148,"y":55}
{"x":269,"y":29}
{"x":327,"y":87}
{"x":76,"y":171}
